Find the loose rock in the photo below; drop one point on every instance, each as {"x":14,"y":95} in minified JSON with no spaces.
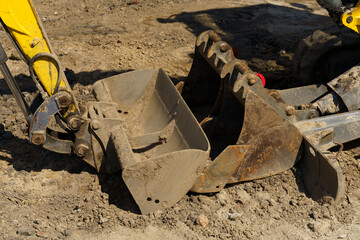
{"x":243,"y":197}
{"x":202,"y":220}
{"x":25,"y":231}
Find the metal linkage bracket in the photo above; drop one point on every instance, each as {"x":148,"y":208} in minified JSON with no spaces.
{"x":38,"y":129}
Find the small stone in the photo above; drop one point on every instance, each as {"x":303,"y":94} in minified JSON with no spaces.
{"x":293,"y":202}
{"x":176,"y":209}
{"x":25,"y":231}
{"x":222,"y":212}
{"x":263,"y":198}
{"x":248,"y":233}
{"x":327,"y":200}
{"x":102,"y":219}
{"x":351,"y":199}
{"x":322,"y":227}
{"x":206,"y":208}
{"x":7,"y":123}
{"x":284,"y":199}
{"x":67,"y":232}
{"x":192,"y":217}
{"x":234,"y":216}
{"x":224,"y":236}
{"x":356,"y":192}
{"x":41,"y":234}
{"x":311,"y":227}
{"x":276,"y":215}
{"x":342,"y":236}
{"x":223,"y":198}
{"x":248,"y":187}
{"x":314,"y":214}
{"x":60,"y":228}
{"x":158,"y":213}
{"x":326,"y":215}
{"x":95,"y":42}
{"x":243,"y":197}
{"x":319,"y":227}
{"x":272,"y":202}
{"x":202,"y":220}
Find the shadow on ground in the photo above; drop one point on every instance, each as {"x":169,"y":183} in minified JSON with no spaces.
{"x":255,"y":31}
{"x":259,"y":33}
{"x":24,"y":156}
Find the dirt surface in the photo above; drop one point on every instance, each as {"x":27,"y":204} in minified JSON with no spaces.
{"x":53,"y":196}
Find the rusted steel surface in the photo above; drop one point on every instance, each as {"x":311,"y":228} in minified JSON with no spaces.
{"x":256,"y":125}
{"x":347,"y":86}
{"x":274,"y":141}
{"x":323,"y":177}
{"x":219,"y":172}
{"x":38,"y":129}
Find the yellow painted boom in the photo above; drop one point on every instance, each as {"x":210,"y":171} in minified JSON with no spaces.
{"x":351,"y":19}
{"x":23,"y":25}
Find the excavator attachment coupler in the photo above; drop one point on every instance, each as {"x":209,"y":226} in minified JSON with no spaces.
{"x":256,"y":132}
{"x":144,"y":128}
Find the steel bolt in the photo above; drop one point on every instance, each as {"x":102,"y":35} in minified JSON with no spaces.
{"x":81,"y":149}
{"x":274,"y":95}
{"x":224,"y":47}
{"x":302,"y":106}
{"x":75,"y":123}
{"x":290,"y":110}
{"x":95,"y":125}
{"x":252,"y":79}
{"x":64,"y":100}
{"x":214,"y":36}
{"x":38,"y":139}
{"x":313,"y":114}
{"x":34,"y":42}
{"x":349,"y":19}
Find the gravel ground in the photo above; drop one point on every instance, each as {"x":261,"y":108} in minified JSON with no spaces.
{"x":53,"y":196}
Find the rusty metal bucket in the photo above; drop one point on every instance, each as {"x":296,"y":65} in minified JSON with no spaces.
{"x":257,"y":132}
{"x":146,"y":130}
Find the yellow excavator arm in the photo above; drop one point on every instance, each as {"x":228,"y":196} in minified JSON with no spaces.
{"x":21,"y":22}
{"x":351,"y":19}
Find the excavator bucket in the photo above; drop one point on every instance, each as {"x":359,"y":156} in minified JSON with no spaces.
{"x":146,"y":130}
{"x":256,"y":132}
